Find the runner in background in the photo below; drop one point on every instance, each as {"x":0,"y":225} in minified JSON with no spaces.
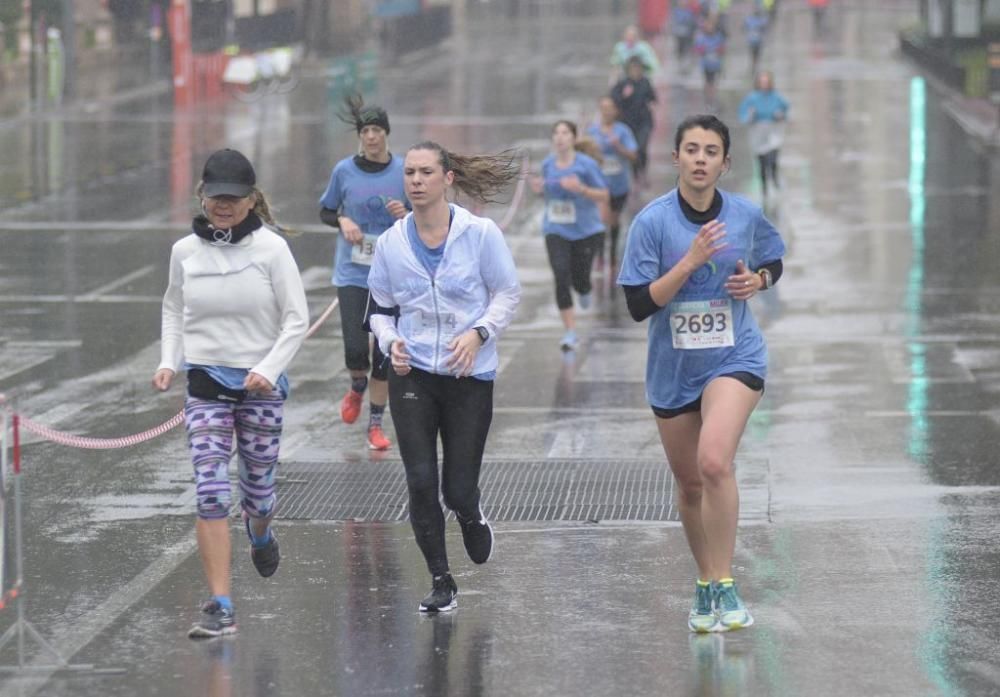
{"x":710,"y":46}
{"x":634,"y":95}
{"x":363,"y":199}
{"x":574,"y":187}
{"x":632,"y":45}
{"x":618,"y":150}
{"x":755,"y":29}
{"x":766,"y":111}
{"x":684,"y":18}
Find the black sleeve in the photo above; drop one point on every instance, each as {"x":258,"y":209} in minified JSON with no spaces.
{"x":373,"y":308}
{"x":640,"y":302}
{"x":775,"y":267}
{"x":329,"y":216}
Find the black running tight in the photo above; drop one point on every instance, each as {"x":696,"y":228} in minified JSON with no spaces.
{"x":460,"y":410}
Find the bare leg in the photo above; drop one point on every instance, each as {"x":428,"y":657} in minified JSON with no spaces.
{"x":379,"y":392}
{"x":725,"y":409}
{"x":679,"y":436}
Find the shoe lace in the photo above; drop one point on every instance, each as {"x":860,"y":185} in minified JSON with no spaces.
{"x":703,"y":600}
{"x":443,"y":584}
{"x":728,"y":600}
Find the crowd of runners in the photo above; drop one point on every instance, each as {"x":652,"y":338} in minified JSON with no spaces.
{"x":426,"y":289}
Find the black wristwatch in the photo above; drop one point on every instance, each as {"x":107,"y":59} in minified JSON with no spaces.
{"x":484,"y":335}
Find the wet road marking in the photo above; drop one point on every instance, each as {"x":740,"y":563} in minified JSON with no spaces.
{"x":89,"y":626}
{"x":116,"y":284}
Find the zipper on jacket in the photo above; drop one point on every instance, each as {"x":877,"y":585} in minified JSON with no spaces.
{"x":437,"y":322}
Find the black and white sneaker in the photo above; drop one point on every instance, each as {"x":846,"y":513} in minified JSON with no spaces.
{"x":215,"y":621}
{"x":442,"y":595}
{"x":478,"y":537}
{"x":265,"y":559}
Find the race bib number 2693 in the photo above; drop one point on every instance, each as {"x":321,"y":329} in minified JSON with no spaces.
{"x":702,"y":324}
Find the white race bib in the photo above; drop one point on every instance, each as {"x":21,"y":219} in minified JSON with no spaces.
{"x":702,"y":324}
{"x":612,"y":166}
{"x":363,"y":253}
{"x":562,"y":211}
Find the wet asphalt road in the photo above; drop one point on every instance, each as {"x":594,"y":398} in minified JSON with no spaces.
{"x":869,"y":474}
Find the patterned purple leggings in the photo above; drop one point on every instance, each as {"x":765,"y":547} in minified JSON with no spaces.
{"x":210,"y":426}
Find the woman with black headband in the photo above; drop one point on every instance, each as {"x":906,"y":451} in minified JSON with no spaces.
{"x":234,"y":315}
{"x":363,"y":199}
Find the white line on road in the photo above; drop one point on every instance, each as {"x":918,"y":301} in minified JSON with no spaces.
{"x":118,"y":283}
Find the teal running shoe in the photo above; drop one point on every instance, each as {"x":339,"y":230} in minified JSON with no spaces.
{"x":733,"y":613}
{"x":702,"y":617}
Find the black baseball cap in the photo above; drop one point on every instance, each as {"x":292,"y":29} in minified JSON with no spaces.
{"x":228,"y":173}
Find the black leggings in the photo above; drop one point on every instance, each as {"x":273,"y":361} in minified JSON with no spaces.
{"x":353,"y":305}
{"x":768,"y":168}
{"x":460,"y":410}
{"x":571,"y":261}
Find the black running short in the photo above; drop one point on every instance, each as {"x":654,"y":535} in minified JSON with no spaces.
{"x":752,"y":381}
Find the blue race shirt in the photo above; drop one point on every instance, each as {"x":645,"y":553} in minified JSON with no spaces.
{"x":571,"y":216}
{"x":233,"y":378}
{"x":362,"y":196}
{"x":765,"y":104}
{"x":617,"y":170}
{"x":688,"y":337}
{"x":755,"y":27}
{"x":710,"y":47}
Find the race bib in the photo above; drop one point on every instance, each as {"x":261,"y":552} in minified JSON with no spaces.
{"x":611,"y":167}
{"x":432,"y":322}
{"x":562,"y":211}
{"x":363,"y":253}
{"x":702,"y":324}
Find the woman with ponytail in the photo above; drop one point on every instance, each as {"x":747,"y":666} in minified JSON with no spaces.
{"x":234,"y":315}
{"x":574,"y":189}
{"x":363,"y":199}
{"x":444,"y":287}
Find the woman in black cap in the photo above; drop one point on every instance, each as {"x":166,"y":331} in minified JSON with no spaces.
{"x":234,"y":315}
{"x":363,"y":199}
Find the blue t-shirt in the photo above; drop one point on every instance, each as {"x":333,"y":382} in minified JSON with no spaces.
{"x":362,"y":196}
{"x":571,"y":216}
{"x":702,"y":333}
{"x":710,"y":47}
{"x":233,"y":378}
{"x":616,"y":169}
{"x":430,"y":257}
{"x":755,"y":27}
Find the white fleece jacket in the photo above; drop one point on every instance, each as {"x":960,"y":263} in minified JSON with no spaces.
{"x":240,"y":306}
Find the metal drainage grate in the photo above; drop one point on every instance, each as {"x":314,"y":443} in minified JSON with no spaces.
{"x":513,"y":490}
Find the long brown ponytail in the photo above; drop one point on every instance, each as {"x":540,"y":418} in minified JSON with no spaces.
{"x":481,"y":177}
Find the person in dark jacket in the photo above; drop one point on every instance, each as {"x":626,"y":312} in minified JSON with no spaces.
{"x":633,"y":95}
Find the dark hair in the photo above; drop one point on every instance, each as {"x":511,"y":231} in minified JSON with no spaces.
{"x":481,"y":177}
{"x":635,"y":60}
{"x":588,"y":146}
{"x":568,"y":124}
{"x":357,"y":115}
{"x":709,"y":122}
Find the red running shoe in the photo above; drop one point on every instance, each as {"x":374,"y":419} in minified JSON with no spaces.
{"x":350,"y":406}
{"x":377,"y":439}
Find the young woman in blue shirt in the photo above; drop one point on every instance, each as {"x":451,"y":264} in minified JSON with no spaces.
{"x":692,"y":260}
{"x":453,"y":280}
{"x":766,"y":111}
{"x":618,"y":150}
{"x":363,"y":198}
{"x":574,"y":187}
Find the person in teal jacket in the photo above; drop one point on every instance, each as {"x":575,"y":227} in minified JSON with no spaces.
{"x":766,"y":111}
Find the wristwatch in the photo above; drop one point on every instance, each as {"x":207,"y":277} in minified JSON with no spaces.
{"x":483,"y":333}
{"x":765,"y":278}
